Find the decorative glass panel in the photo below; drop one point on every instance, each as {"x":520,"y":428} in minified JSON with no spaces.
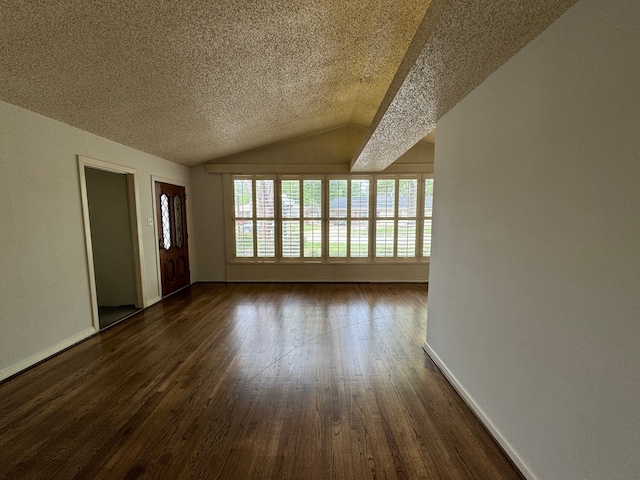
{"x":166,"y":221}
{"x":177,"y":219}
{"x":384,"y":238}
{"x":406,"y":238}
{"x":408,"y":198}
{"x":312,"y":238}
{"x":359,"y":238}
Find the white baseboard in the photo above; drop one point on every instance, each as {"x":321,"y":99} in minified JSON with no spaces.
{"x":44,"y":354}
{"x":482,"y":416}
{"x":321,"y":280}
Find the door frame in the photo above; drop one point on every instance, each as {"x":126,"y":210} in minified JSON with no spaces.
{"x":156,"y":238}
{"x":133,"y":197}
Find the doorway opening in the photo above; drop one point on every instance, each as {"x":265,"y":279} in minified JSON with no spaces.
{"x":111,"y":230}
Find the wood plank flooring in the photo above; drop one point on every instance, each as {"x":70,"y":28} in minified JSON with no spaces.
{"x":250,"y":381}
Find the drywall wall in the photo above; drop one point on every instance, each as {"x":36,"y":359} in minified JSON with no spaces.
{"x":111,"y":238}
{"x":331,"y":148}
{"x":44,"y":286}
{"x":207,"y":228}
{"x":325,"y":272}
{"x":208,"y":232}
{"x":334,"y":146}
{"x":534,"y":296}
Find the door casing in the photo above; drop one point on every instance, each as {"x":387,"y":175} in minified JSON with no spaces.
{"x":134,"y":216}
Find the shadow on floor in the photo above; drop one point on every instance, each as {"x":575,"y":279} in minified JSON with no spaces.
{"x":110,"y":315}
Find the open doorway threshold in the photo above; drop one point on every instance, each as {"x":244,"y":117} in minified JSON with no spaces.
{"x":111,"y":315}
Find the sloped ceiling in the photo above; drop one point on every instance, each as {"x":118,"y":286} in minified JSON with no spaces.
{"x":195,"y":80}
{"x":457,"y":46}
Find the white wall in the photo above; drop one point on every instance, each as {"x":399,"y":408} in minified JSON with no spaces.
{"x":111,"y":238}
{"x":207,"y":228}
{"x":328,"y":272}
{"x":335,"y":146}
{"x":208,"y":234}
{"x":534,"y":298}
{"x":210,"y":252}
{"x":44,"y":286}
{"x":333,"y":150}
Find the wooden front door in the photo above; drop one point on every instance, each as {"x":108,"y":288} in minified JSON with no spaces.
{"x":172,"y":234}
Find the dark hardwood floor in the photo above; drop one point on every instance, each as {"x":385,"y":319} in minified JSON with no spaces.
{"x":239,"y":381}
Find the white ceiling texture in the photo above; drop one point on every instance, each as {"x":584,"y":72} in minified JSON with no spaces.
{"x":195,"y":80}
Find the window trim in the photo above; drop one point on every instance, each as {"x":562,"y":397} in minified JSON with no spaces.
{"x":348,"y":218}
{"x":280,"y":220}
{"x":423,"y":193}
{"x":417,"y":257}
{"x":371,"y":258}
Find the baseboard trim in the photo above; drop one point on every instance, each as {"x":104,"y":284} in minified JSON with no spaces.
{"x":322,"y":280}
{"x":44,"y":354}
{"x":511,"y":452}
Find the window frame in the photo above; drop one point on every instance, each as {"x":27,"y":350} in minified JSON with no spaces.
{"x":301,"y":218}
{"x":423,"y":192}
{"x":396,"y":218}
{"x":326,"y":218}
{"x":254,"y":218}
{"x":348,"y":218}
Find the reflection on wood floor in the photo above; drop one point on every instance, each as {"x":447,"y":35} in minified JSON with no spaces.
{"x":237,"y":381}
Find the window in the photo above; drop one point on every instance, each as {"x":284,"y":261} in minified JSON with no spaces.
{"x":351,"y":218}
{"x":385,"y":212}
{"x":359,"y":222}
{"x":428,"y":212}
{"x":338,"y":205}
{"x":301,"y":212}
{"x":396,"y":217}
{"x":254,"y":217}
{"x":407,"y":216}
{"x":312,"y":218}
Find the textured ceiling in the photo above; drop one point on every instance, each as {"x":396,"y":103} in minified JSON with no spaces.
{"x":195,"y":80}
{"x":457,"y":46}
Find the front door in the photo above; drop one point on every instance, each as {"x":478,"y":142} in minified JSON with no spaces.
{"x":172,"y":232}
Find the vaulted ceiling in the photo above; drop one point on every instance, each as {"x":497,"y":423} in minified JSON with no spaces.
{"x":195,"y":80}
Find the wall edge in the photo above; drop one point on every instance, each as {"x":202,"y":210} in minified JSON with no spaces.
{"x":16,"y":368}
{"x":497,"y":435}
